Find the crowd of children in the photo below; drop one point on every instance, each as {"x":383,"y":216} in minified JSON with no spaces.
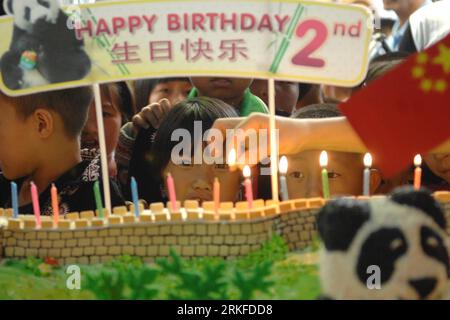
{"x":52,"y":139}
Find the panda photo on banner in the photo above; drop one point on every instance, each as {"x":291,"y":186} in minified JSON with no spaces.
{"x":43,"y":49}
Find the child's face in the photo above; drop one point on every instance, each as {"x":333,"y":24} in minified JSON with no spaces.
{"x":221,"y":88}
{"x":112,"y":122}
{"x":175,"y":91}
{"x":439,"y":164}
{"x":18,"y":145}
{"x":195,"y":182}
{"x":304,"y":176}
{"x":286,"y":93}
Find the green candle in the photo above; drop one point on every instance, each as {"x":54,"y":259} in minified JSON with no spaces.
{"x":98,"y":199}
{"x":323,"y":163}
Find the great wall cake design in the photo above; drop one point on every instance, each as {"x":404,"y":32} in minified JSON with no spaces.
{"x":193,"y":231}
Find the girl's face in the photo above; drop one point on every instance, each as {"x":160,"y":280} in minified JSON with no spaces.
{"x":439,"y":164}
{"x":195,"y":182}
{"x":175,"y":91}
{"x":112,"y":121}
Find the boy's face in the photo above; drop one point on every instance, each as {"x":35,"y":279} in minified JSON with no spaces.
{"x":304,"y":176}
{"x":175,"y":91}
{"x":195,"y":182}
{"x":221,"y":88}
{"x":18,"y":146}
{"x":439,"y":164}
{"x":286,"y":93}
{"x":112,"y":122}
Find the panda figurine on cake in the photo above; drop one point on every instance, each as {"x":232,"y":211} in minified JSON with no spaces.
{"x":384,"y":248}
{"x":43,"y":49}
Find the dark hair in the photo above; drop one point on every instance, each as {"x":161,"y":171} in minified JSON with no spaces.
{"x":316,"y":111}
{"x":143,"y":89}
{"x":119,"y":94}
{"x":383,"y":64}
{"x":71,"y":104}
{"x":150,"y":158}
{"x":303,"y":89}
{"x":127,"y":101}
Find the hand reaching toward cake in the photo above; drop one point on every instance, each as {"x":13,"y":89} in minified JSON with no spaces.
{"x":297,"y":135}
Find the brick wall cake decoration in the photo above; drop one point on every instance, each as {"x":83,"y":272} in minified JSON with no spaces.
{"x":193,"y":231}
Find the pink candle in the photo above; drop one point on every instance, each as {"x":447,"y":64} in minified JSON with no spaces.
{"x":248,"y":186}
{"x":55,"y":205}
{"x":172,"y":195}
{"x":35,"y":201}
{"x":216,"y":194}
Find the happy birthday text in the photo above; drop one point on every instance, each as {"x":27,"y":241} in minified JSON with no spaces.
{"x":200,"y":22}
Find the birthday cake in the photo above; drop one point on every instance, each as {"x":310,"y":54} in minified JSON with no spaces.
{"x":193,"y":230}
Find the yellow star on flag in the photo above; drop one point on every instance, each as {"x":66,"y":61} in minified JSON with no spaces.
{"x":443,"y":58}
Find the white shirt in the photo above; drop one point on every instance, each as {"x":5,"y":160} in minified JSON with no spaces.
{"x":430,"y":24}
{"x":398,"y":31}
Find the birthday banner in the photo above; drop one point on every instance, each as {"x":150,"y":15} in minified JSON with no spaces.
{"x":44,"y":47}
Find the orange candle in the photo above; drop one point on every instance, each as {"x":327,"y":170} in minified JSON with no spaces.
{"x":55,"y":205}
{"x":216,"y":191}
{"x":417,"y":171}
{"x":248,"y":186}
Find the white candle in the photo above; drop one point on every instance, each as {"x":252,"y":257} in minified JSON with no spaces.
{"x":283,"y":167}
{"x":366,"y":181}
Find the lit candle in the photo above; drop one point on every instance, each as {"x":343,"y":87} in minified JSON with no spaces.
{"x":55,"y":205}
{"x":98,"y":199}
{"x":248,"y":186}
{"x":35,"y":201}
{"x":323,"y":160}
{"x":417,"y":171}
{"x":172,"y":194}
{"x":216,"y":194}
{"x":134,"y":195}
{"x":14,"y":202}
{"x":231,"y":159}
{"x":366,"y":181}
{"x":283,"y":167}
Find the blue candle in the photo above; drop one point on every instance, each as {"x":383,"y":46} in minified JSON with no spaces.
{"x":134,"y":194}
{"x":15,"y":204}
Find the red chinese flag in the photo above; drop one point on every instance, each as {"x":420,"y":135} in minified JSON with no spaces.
{"x":407,"y":111}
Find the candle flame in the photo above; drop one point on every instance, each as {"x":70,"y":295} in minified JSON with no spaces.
{"x":323,"y":160}
{"x":232,"y":157}
{"x":247,"y":172}
{"x":283,"y":167}
{"x":417,"y":160}
{"x":367,"y":160}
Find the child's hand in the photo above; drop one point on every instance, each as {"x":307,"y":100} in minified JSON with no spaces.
{"x":151,"y":115}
